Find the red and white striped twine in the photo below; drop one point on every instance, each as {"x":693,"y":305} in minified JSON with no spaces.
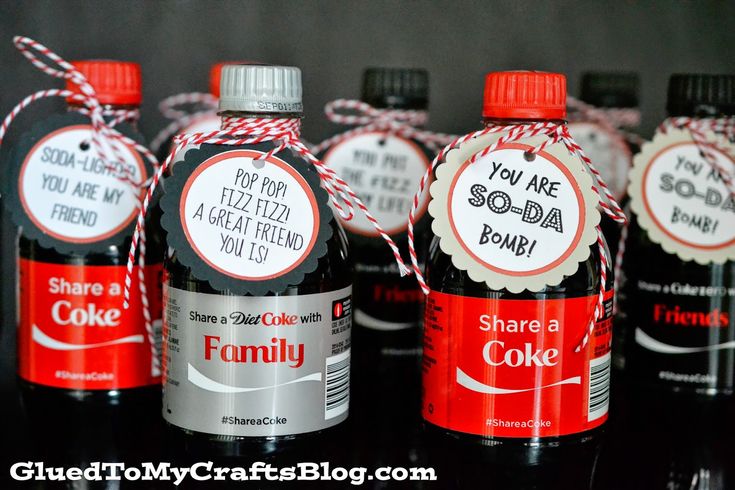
{"x":403,"y":123}
{"x":284,"y":133}
{"x":103,"y":121}
{"x":201,"y":104}
{"x":614,"y":119}
{"x":556,"y":133}
{"x":698,"y":128}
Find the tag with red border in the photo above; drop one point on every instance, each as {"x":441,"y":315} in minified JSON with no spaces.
{"x":61,"y":193}
{"x":513,"y":220}
{"x":383,"y":169}
{"x":680,"y":199}
{"x":244,"y":224}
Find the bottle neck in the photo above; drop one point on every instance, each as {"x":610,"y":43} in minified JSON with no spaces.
{"x":610,"y":101}
{"x":397,"y":103}
{"x":702,"y":112}
{"x":108,"y":109}
{"x":228,"y":119}
{"x":491,"y":121}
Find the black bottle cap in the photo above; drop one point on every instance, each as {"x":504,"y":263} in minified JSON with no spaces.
{"x":399,"y":88}
{"x":701,"y":95}
{"x":610,"y":89}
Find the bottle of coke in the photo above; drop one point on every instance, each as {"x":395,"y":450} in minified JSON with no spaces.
{"x":248,"y":376}
{"x":384,"y":169}
{"x":87,"y":373}
{"x":528,"y":422}
{"x":676,"y":303}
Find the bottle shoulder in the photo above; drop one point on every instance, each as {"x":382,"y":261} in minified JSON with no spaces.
{"x":443,"y":276}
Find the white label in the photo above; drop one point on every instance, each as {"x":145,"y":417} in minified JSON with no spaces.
{"x":609,"y":154}
{"x":249,"y":219}
{"x":384,"y":171}
{"x":514,"y":223}
{"x":681,"y":200}
{"x":71,"y":194}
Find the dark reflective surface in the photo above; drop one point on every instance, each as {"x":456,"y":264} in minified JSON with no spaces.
{"x":652,"y":441}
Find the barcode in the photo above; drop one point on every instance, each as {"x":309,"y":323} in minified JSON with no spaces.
{"x":337,"y":395}
{"x":599,"y":387}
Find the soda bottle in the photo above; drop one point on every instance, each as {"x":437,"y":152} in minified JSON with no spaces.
{"x":384,"y":169}
{"x":262,"y":375}
{"x":88,"y":378}
{"x":75,"y":340}
{"x":676,"y":302}
{"x":505,"y":405}
{"x":676,"y":299}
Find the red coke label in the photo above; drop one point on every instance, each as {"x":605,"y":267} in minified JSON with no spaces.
{"x":507,"y":367}
{"x":74,"y":332}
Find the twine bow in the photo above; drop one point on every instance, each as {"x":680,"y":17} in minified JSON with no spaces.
{"x":399,"y":122}
{"x":612,"y":119}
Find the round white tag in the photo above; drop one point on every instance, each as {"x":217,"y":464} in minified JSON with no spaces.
{"x":609,"y":154}
{"x":384,"y":171}
{"x":681,"y":200}
{"x":249,"y":219}
{"x":514,"y":220}
{"x":70,"y":194}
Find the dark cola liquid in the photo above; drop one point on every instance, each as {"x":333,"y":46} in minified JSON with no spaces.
{"x":677,"y":407}
{"x":470,"y":461}
{"x":76,"y":427}
{"x":386,"y":378}
{"x":683,"y":304}
{"x":385,"y":412}
{"x":674,"y":441}
{"x":333,"y":273}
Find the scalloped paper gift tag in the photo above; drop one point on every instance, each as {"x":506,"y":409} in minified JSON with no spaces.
{"x":513,"y":220}
{"x":61,"y":193}
{"x":243,"y":224}
{"x":681,"y":201}
{"x":383,"y":169}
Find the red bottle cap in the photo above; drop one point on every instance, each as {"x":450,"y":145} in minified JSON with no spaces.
{"x":525,"y":95}
{"x":116,"y":82}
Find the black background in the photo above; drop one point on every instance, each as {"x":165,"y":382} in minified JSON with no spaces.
{"x":332,"y":41}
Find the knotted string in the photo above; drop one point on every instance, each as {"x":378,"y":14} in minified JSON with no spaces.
{"x":698,"y":128}
{"x":555,"y":133}
{"x":398,"y":122}
{"x":103,"y":122}
{"x":284,"y":133}
{"x":612,"y":119}
{"x":201,"y":105}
